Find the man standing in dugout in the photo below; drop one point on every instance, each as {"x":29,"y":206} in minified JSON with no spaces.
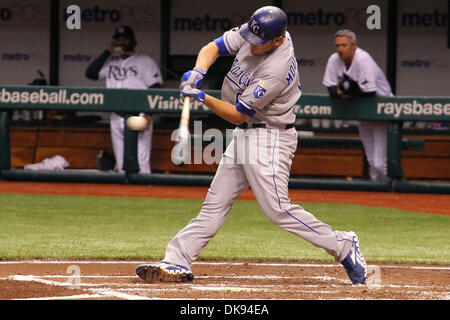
{"x":258,"y":95}
{"x":122,"y":68}
{"x":352,"y":72}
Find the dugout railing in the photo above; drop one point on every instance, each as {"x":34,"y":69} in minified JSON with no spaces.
{"x":394,"y":110}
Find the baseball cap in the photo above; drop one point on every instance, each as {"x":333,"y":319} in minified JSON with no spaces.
{"x":265,"y":24}
{"x":124,"y":31}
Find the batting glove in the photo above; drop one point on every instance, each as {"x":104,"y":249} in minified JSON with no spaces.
{"x":193,"y":78}
{"x":197,"y":94}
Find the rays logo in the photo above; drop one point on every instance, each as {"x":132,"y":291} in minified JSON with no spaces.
{"x":120,"y":74}
{"x":260,"y":91}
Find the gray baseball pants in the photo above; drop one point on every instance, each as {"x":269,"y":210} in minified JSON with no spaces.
{"x":267,"y":175}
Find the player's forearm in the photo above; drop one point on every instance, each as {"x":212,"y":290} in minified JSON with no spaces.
{"x":207,"y":56}
{"x":92,"y":71}
{"x":225,"y":110}
{"x":333,"y":91}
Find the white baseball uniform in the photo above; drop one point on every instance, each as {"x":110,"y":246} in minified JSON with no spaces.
{"x":137,"y":71}
{"x":260,"y":156}
{"x":365,"y":71}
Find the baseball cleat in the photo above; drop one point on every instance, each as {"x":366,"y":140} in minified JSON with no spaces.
{"x":354,"y":263}
{"x":164,"y":272}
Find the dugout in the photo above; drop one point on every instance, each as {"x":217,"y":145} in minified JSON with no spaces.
{"x":172,"y":31}
{"x":135,"y":101}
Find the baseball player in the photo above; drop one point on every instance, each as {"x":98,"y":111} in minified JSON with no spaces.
{"x":351,"y":72}
{"x":258,"y":95}
{"x":123,"y":68}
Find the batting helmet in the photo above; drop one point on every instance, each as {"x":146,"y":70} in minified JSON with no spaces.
{"x":265,"y":24}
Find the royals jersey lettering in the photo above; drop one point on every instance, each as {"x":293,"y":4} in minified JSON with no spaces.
{"x":264,"y":87}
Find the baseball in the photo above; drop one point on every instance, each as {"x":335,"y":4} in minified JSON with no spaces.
{"x":136,"y":123}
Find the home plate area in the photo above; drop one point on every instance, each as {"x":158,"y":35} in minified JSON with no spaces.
{"x":240,"y":280}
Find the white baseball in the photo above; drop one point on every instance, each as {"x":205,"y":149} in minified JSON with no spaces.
{"x":136,"y":123}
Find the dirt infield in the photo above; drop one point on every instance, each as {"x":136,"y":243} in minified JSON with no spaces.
{"x":107,"y":280}
{"x":112,"y":280}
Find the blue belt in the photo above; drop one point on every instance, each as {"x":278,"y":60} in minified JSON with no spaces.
{"x":261,"y":125}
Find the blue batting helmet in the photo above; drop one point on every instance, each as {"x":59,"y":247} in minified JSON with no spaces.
{"x":265,"y":24}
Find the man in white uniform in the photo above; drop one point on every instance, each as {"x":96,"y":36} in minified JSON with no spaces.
{"x":124,"y":69}
{"x":351,"y":72}
{"x":258,"y":95}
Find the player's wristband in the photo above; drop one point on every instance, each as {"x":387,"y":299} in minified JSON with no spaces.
{"x":200,"y":70}
{"x":197,"y":94}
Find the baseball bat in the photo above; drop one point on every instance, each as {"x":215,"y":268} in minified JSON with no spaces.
{"x":185,"y":113}
{"x":181,"y":148}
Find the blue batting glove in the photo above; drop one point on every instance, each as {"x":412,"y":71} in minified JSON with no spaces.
{"x":193,"y":78}
{"x":197,"y":94}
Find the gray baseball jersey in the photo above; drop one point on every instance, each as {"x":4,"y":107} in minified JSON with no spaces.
{"x":138,"y":71}
{"x":265,"y":87}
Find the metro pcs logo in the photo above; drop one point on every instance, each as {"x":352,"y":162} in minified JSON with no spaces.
{"x":135,"y":13}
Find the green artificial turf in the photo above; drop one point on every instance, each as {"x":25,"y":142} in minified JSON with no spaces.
{"x":88,"y":227}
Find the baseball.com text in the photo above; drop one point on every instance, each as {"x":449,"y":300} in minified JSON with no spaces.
{"x":61,"y":96}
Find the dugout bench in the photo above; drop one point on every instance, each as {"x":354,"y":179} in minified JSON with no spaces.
{"x":323,"y":142}
{"x":354,"y":143}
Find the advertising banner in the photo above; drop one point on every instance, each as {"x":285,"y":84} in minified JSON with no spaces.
{"x":423,"y":58}
{"x":195,"y":23}
{"x":24,"y":49}
{"x":99,"y":19}
{"x":312,"y":25}
{"x":167,"y":101}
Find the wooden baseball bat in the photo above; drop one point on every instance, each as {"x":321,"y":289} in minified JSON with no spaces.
{"x":178,"y":153}
{"x":185,"y":113}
